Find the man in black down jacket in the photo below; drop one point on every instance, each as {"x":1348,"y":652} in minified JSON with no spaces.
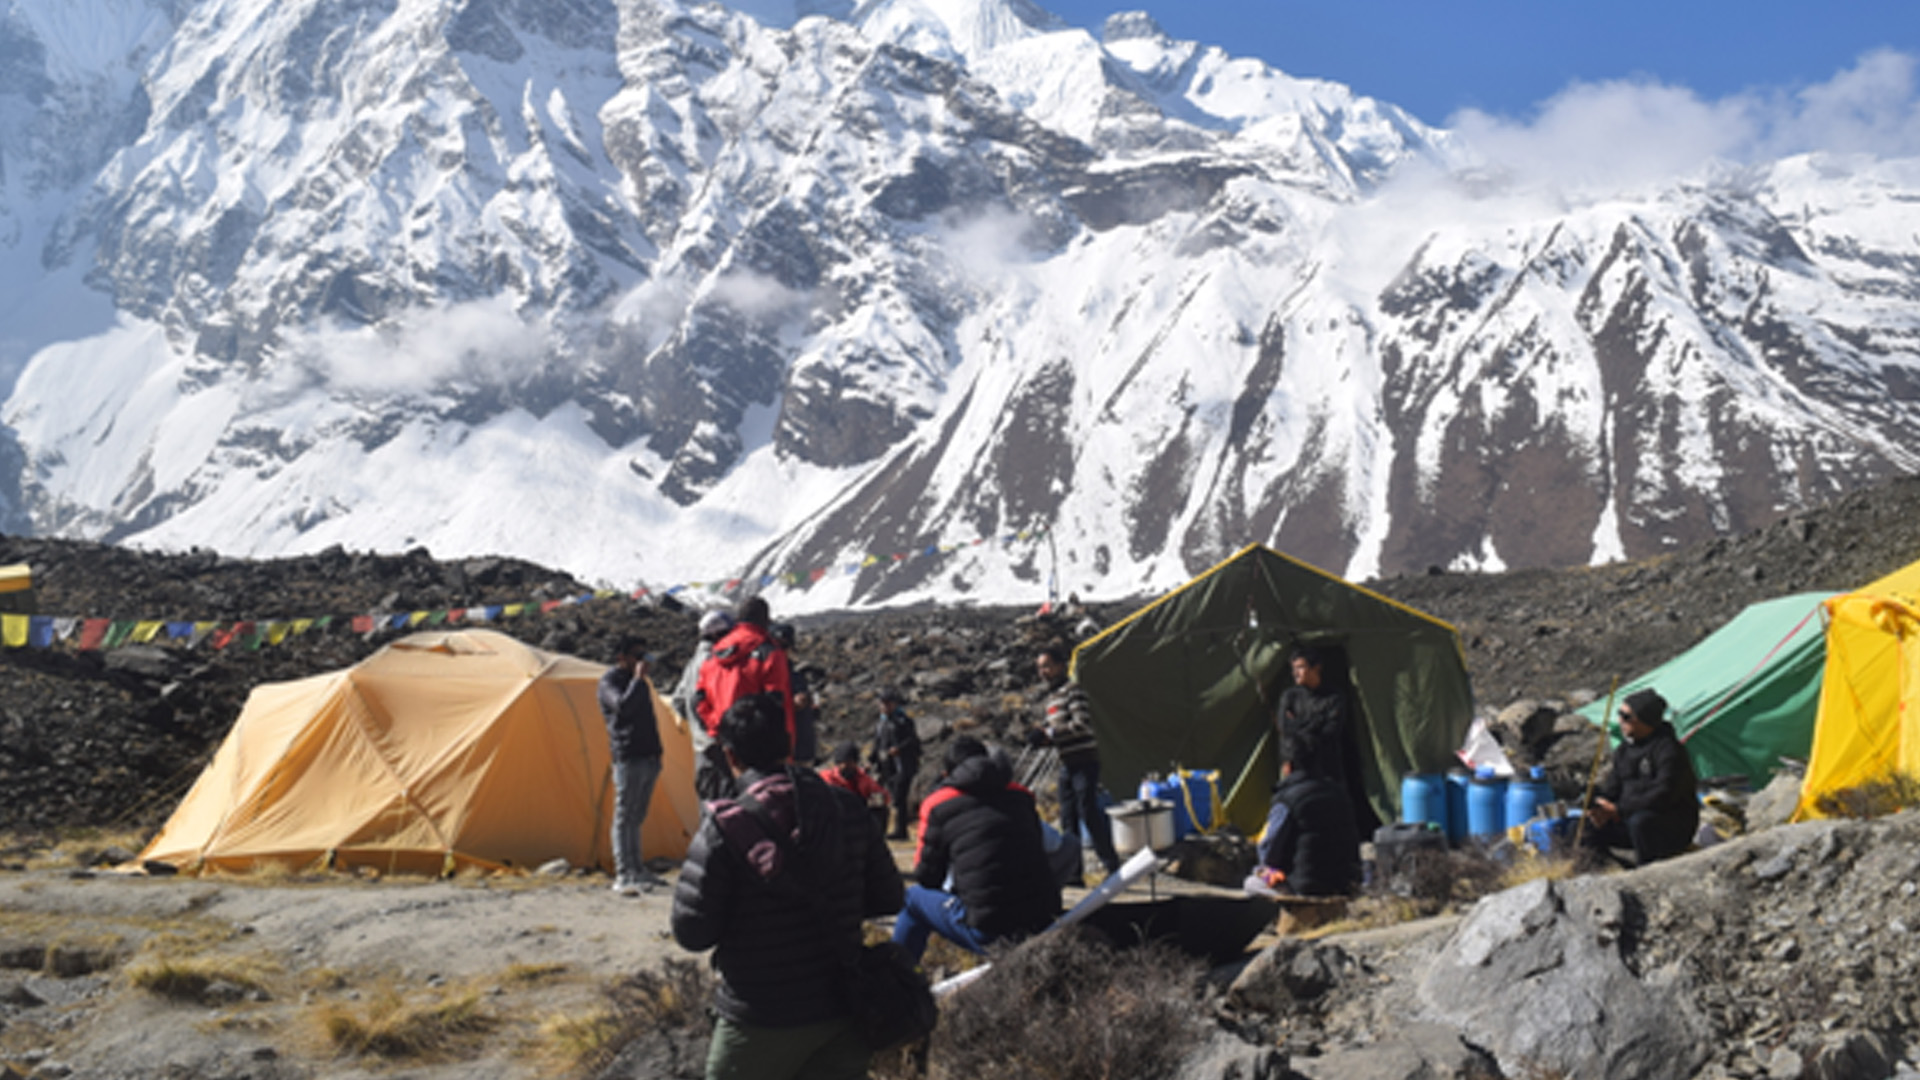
{"x":781,"y":917}
{"x":1650,"y":799}
{"x":983,"y":828}
{"x":1311,"y":846}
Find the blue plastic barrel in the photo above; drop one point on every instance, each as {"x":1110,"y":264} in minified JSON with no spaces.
{"x":1196,"y":804}
{"x":1524,"y":796}
{"x":1486,"y":807}
{"x":1457,"y":782}
{"x":1423,"y":799}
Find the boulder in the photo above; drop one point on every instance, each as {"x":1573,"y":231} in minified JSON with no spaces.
{"x":1290,"y":973}
{"x":1774,"y":804}
{"x":1524,"y":729}
{"x":1536,"y":976}
{"x":1425,"y":1051}
{"x":1224,"y":1057}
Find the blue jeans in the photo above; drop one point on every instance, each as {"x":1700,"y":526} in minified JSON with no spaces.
{"x":928,"y":912}
{"x":632,"y":791}
{"x":1080,"y":802}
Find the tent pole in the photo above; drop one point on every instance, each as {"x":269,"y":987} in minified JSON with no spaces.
{"x":1593,"y":774}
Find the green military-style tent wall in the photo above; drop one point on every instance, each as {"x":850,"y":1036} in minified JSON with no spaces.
{"x":1748,"y":694}
{"x":1192,"y":680}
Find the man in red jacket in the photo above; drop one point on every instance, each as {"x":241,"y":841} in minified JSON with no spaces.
{"x":747,"y":661}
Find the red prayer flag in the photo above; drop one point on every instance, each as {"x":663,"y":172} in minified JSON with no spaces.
{"x":93,"y":632}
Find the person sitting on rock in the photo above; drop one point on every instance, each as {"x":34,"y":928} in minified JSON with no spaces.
{"x":1650,"y":799}
{"x":980,"y":829}
{"x":1311,"y":846}
{"x":846,"y":773}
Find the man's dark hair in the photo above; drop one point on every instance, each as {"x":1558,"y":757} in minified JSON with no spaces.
{"x":847,"y":753}
{"x":1649,"y":706}
{"x":782,"y":632}
{"x":962,"y":749}
{"x":753,"y":610}
{"x":1314,"y":655}
{"x":754,"y":730}
{"x":631,"y":645}
{"x":1056,"y":654}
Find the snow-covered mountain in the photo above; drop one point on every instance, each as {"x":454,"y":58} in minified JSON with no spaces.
{"x":673,"y":292}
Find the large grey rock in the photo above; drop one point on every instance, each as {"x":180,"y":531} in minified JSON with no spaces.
{"x":1291,"y":972}
{"x":1224,"y":1057}
{"x":1525,"y":727}
{"x":1774,"y":804}
{"x":1413,"y":1052}
{"x":1536,"y":976}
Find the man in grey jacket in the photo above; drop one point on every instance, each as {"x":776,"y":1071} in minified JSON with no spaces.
{"x":710,"y":777}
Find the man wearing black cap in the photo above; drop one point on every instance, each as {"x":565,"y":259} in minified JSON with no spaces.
{"x":1649,"y":800}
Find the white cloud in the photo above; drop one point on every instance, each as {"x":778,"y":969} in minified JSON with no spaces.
{"x":1598,"y":138}
{"x":481,"y":343}
{"x":758,"y":296}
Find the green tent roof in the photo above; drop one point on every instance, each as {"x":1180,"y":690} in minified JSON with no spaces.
{"x":1747,"y":695}
{"x":1192,"y":680}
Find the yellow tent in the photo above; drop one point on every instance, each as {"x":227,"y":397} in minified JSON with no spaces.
{"x":1869,"y":724}
{"x":442,"y":750}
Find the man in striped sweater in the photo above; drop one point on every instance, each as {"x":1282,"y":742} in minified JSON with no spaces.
{"x":1068,"y":728}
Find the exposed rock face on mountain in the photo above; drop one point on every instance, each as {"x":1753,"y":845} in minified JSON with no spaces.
{"x":451,"y":271}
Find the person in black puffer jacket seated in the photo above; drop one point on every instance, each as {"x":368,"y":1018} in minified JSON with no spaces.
{"x":1650,"y":799}
{"x":983,"y":828}
{"x":1311,"y":846}
{"x":778,"y":892}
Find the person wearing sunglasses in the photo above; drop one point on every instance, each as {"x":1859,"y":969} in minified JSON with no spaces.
{"x":1649,"y":801}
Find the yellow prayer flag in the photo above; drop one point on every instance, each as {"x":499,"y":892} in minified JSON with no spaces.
{"x":13,"y":629}
{"x":144,"y":632}
{"x":277,"y":632}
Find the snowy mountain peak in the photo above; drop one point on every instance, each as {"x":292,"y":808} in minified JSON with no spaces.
{"x":963,"y":31}
{"x":671,"y":292}
{"x":1131,"y":26}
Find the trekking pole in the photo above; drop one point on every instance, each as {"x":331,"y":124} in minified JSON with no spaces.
{"x":1593,"y":774}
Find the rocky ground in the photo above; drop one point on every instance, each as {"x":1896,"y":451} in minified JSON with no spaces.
{"x":1788,"y":960}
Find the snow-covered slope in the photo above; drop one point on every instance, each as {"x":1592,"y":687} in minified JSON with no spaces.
{"x":677,"y":293}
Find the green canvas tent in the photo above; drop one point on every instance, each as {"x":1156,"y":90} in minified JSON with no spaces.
{"x":1192,"y":679}
{"x":1748,"y":694}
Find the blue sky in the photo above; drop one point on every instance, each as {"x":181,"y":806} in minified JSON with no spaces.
{"x":1506,"y":57}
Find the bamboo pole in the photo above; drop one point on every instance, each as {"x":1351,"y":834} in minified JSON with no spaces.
{"x":1593,"y":773}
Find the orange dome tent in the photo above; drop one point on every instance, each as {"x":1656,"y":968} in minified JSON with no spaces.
{"x":442,"y":750}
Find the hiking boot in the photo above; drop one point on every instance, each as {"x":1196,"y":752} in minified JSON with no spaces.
{"x":629,"y":888}
{"x":650,"y":880}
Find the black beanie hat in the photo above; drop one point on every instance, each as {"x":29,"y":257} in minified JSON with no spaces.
{"x":1650,"y":707}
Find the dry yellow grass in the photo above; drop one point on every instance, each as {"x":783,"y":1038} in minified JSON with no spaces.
{"x":1532,"y":867}
{"x":570,"y":1042}
{"x":429,"y":1025}
{"x":186,"y":978}
{"x":67,"y":849}
{"x":533,"y":973}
